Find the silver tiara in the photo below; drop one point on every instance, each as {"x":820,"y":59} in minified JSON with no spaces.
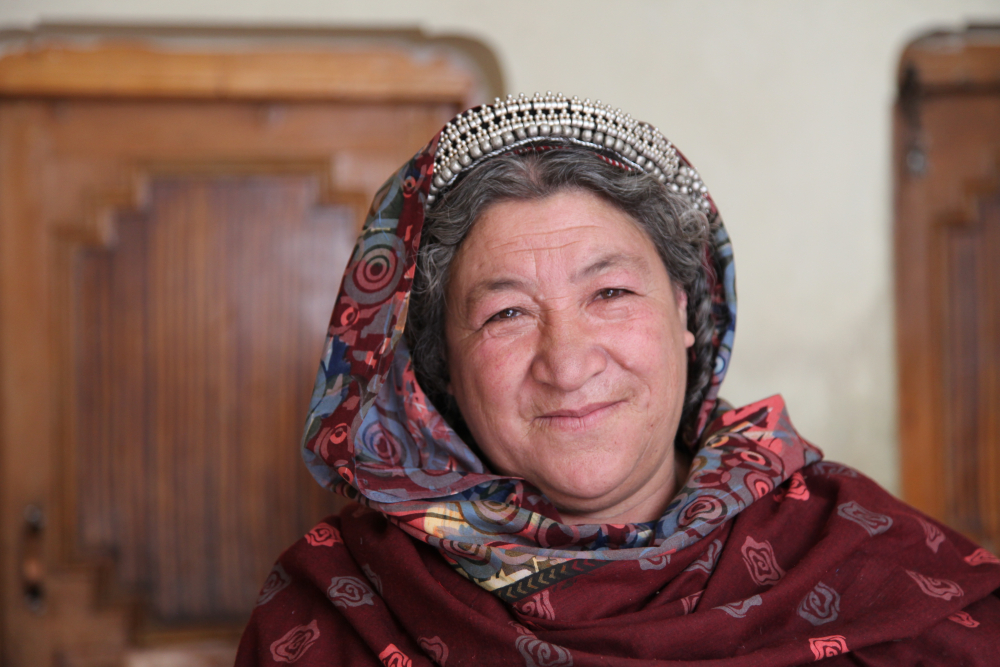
{"x":491,"y":129}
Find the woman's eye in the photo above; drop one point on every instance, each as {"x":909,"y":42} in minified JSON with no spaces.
{"x":505,"y":314}
{"x":611,"y":293}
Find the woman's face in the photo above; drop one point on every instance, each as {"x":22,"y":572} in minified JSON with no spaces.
{"x":567,"y":349}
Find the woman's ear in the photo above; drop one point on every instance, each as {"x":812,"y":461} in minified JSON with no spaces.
{"x":681,"y":297}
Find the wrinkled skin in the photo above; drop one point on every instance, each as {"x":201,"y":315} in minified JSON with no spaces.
{"x":567,"y":347}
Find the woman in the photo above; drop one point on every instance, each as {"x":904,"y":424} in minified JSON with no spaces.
{"x":550,"y":478}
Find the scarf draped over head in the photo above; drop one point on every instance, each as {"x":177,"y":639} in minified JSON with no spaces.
{"x":766,"y":556}
{"x":373,"y":436}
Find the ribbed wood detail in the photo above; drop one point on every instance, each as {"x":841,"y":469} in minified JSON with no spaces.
{"x":200,"y":333}
{"x":971,"y":388}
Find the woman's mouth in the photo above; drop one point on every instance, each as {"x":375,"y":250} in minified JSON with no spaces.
{"x":578,"y":418}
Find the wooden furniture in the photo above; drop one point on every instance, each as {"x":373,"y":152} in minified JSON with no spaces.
{"x":947,"y":240}
{"x":173,"y":227}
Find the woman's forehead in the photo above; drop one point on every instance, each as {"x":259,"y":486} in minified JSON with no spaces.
{"x":529,"y":246}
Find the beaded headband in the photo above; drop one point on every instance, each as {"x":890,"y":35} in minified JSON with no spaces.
{"x":491,"y":129}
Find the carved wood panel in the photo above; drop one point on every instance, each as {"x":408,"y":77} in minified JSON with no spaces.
{"x":198,"y":333}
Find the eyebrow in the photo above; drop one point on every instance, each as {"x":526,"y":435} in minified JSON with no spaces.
{"x":610,"y":261}
{"x":488,"y":286}
{"x":600,"y":265}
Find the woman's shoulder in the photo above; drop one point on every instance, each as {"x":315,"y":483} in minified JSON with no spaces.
{"x":293,"y":619}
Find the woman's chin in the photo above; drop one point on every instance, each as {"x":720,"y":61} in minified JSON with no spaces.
{"x":600,"y":497}
{"x":606,"y":493}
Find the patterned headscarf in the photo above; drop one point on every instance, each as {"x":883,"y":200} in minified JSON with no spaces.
{"x":373,"y":436}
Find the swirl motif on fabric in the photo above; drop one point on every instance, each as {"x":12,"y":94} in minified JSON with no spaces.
{"x":828,"y":647}
{"x":795,"y":489}
{"x":934,"y":536}
{"x":821,"y":605}
{"x":963,"y":618}
{"x":872,"y":522}
{"x":761,"y":563}
{"x":539,"y":653}
{"x":538,"y":606}
{"x":435,"y":648}
{"x":391,"y":656}
{"x":982,"y":557}
{"x":324,"y":535}
{"x":276,"y":582}
{"x":294,"y":643}
{"x":347,"y":592}
{"x":936,"y":588}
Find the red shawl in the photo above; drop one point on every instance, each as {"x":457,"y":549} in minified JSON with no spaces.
{"x":828,"y":564}
{"x":766,"y":556}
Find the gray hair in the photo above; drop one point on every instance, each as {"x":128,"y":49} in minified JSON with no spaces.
{"x":679,"y":232}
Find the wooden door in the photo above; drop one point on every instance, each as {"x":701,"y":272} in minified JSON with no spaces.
{"x":947,"y":171}
{"x":173,"y":228}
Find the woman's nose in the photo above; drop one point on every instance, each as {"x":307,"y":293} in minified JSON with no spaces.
{"x":568,"y":353}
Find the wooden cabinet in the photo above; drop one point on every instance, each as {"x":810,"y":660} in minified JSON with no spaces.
{"x":173,"y":227}
{"x":947,"y":239}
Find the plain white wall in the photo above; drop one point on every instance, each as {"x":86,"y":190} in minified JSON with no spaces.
{"x":784,"y":107}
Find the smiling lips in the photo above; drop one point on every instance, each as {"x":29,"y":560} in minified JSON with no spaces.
{"x":578,"y":419}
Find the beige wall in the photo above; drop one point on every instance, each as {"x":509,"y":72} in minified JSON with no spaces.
{"x":783,"y":105}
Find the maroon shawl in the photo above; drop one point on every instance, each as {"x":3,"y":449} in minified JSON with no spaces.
{"x":828,"y":564}
{"x":766,"y":556}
